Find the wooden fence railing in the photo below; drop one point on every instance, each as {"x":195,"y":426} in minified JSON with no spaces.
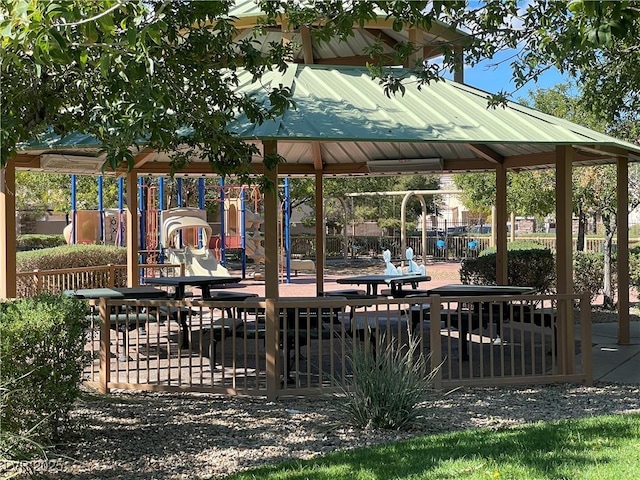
{"x":228,"y":347}
{"x":29,"y":284}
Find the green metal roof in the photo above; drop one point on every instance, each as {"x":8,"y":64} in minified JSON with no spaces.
{"x":443,"y":126}
{"x":346,"y":104}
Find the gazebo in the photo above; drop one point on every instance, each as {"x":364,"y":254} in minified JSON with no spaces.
{"x":345,"y":124}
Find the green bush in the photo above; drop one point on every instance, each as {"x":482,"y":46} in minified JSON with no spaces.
{"x":42,"y":343}
{"x":514,"y":246}
{"x":71,"y":256}
{"x":588,"y":273}
{"x":533,"y":267}
{"x":387,"y":387}
{"x":38,"y":241}
{"x":634,"y":267}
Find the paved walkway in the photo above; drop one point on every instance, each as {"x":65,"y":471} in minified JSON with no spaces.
{"x":612,"y":362}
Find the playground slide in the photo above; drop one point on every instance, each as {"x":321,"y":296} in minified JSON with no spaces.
{"x":196,"y":261}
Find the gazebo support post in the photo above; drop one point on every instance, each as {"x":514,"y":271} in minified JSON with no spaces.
{"x":500,"y":233}
{"x":320,"y":238}
{"x":624,"y":333}
{"x":564,"y":258}
{"x":8,"y":247}
{"x":133,"y":276}
{"x":271,"y":281}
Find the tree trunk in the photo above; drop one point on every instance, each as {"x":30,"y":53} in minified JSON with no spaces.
{"x":608,"y":302}
{"x":582,"y":226}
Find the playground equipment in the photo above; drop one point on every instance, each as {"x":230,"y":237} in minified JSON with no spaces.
{"x":179,"y":242}
{"x":234,"y":210}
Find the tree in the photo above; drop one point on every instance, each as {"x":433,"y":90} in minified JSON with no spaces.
{"x":594,"y":188}
{"x":596,"y":42}
{"x":161,"y":74}
{"x":156,"y":74}
{"x":567,"y":101}
{"x":39,"y":192}
{"x":528,"y":193}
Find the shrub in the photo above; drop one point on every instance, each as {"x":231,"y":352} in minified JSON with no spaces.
{"x":513,"y":246}
{"x":71,"y":256}
{"x":588,"y":272}
{"x":634,"y":267}
{"x":42,"y":349}
{"x":531,"y":267}
{"x":37,"y":241}
{"x":387,"y":387}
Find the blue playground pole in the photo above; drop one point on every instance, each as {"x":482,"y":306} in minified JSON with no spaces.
{"x":201,"y":206}
{"x":179,"y":191}
{"x":287,"y":232}
{"x":120,"y":211}
{"x":243,"y":232}
{"x":223,"y":240}
{"x":143,"y":232}
{"x":179,"y":201}
{"x":101,"y":207}
{"x":161,"y":206}
{"x":74,"y":216}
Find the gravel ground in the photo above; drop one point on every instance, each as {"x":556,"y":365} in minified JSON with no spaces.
{"x":138,"y":435}
{"x":142,"y":435}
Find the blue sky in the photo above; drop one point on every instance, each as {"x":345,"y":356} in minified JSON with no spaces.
{"x":492,"y":78}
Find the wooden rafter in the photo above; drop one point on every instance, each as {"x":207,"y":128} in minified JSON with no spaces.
{"x":485,"y":152}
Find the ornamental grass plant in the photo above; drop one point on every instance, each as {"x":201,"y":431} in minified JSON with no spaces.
{"x":388,"y":384}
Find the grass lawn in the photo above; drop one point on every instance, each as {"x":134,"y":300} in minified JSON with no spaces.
{"x":605,"y":447}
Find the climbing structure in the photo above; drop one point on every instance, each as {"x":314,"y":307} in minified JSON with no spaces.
{"x":179,"y":241}
{"x":242,"y":204}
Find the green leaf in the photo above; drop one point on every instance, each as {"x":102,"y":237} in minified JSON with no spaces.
{"x":105,"y":65}
{"x":132,"y":36}
{"x":62,"y":43}
{"x":154,"y":35}
{"x":106,"y":23}
{"x":91,"y":32}
{"x":84,"y":56}
{"x":6,"y":30}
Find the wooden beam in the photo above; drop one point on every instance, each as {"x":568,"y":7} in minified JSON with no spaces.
{"x":624,"y":332}
{"x":603,"y":150}
{"x":271,"y":271}
{"x":486,"y":152}
{"x":26,"y":161}
{"x":564,"y":258}
{"x":355,"y":60}
{"x":382,"y":36}
{"x":544,"y":159}
{"x":142,"y":158}
{"x":133,"y":275}
{"x":320,"y":233}
{"x":202,"y":168}
{"x":271,"y":211}
{"x":501,"y":225}
{"x":8,"y":247}
{"x":317,"y":156}
{"x":307,"y":44}
{"x":416,"y":37}
{"x":458,"y":67}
